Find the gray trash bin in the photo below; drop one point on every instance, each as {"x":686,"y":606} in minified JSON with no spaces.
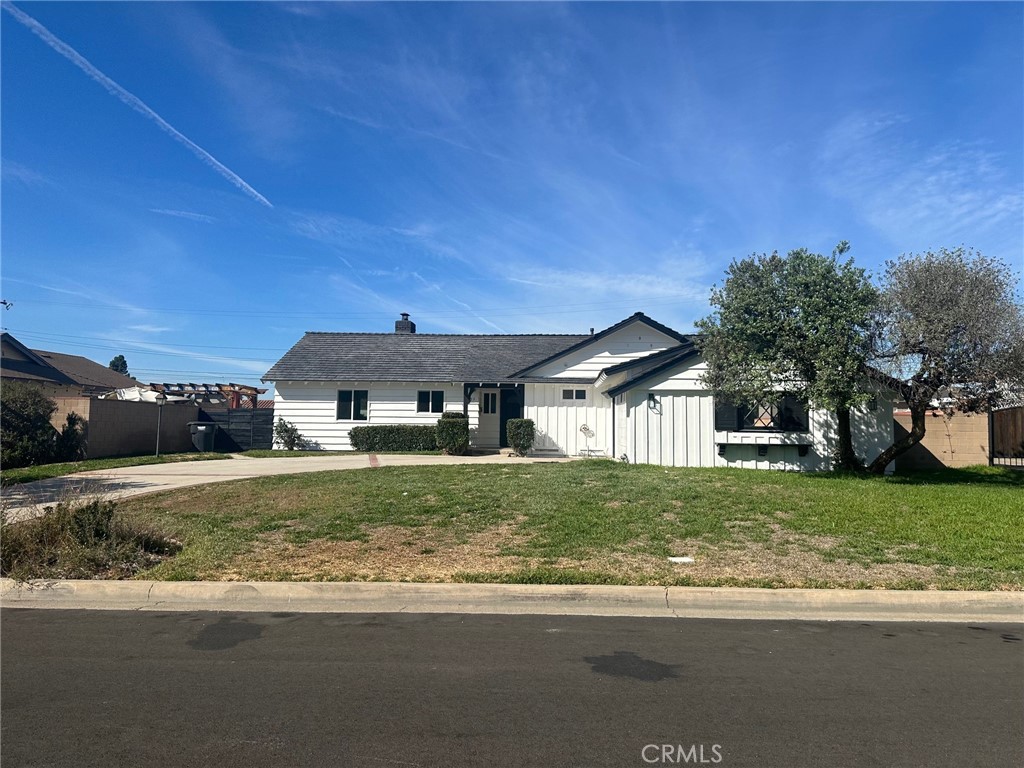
{"x":203,"y":434}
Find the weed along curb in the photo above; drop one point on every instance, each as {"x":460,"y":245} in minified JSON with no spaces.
{"x":389,"y":597}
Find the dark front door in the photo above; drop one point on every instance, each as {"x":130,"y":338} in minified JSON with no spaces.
{"x":511,"y":408}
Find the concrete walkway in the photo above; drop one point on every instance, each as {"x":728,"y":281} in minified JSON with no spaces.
{"x":29,"y":499}
{"x":514,"y":599}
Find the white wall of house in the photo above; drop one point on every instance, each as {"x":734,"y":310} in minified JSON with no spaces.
{"x":635,"y":340}
{"x":312,"y":407}
{"x":558,"y":421}
{"x":677,"y":429}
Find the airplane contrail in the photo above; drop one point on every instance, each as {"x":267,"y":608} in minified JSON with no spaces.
{"x":130,"y":99}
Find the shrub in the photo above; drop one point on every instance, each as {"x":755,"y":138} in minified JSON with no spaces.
{"x":79,"y":541}
{"x":394,"y":437}
{"x":70,"y":445}
{"x":26,"y":435}
{"x":520,"y":433}
{"x":453,"y":433}
{"x":287,"y":435}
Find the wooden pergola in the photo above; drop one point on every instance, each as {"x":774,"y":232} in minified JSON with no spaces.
{"x":234,"y":394}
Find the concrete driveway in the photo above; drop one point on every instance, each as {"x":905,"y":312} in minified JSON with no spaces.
{"x":29,"y":499}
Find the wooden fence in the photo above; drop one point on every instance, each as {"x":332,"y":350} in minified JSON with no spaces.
{"x":1008,"y":437}
{"x":241,"y":429}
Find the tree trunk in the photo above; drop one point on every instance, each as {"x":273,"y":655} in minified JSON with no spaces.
{"x":918,"y":412}
{"x":846,"y":459}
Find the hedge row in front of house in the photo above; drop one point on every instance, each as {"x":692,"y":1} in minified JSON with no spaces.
{"x":394,"y":437}
{"x":451,"y":435}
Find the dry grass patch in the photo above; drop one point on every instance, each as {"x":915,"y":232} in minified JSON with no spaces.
{"x":388,"y":553}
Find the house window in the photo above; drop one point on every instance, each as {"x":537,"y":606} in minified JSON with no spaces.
{"x":574,"y":394}
{"x":785,"y":415}
{"x":489,"y":403}
{"x":353,"y":404}
{"x":430,"y":401}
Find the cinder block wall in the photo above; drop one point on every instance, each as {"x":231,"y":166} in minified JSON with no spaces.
{"x":960,"y":441}
{"x":123,"y":428}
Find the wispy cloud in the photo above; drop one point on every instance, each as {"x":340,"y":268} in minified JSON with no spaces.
{"x":255,"y":366}
{"x":930,"y":194}
{"x":20,"y":173}
{"x":149,"y":328}
{"x":83,"y":293}
{"x":131,"y":100}
{"x":191,"y":215}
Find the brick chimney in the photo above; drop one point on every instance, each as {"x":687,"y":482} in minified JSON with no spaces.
{"x":405,"y":325}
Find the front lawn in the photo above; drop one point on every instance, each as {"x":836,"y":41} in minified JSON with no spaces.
{"x":600,"y":522}
{"x":46,"y":471}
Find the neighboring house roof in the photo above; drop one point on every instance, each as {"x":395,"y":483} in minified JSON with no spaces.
{"x":20,"y":362}
{"x":90,"y":375}
{"x":416,"y":356}
{"x":584,"y":341}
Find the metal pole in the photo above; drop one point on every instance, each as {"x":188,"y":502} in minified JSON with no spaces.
{"x":159,"y":418}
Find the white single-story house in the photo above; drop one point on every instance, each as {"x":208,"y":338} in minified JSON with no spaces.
{"x":631,"y":391}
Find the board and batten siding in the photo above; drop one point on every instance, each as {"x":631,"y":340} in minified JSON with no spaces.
{"x":312,"y":407}
{"x":558,"y":422}
{"x":636,"y":340}
{"x":678,"y":429}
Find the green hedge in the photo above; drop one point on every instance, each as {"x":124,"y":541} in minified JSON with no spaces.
{"x":453,"y":433}
{"x":394,"y":437}
{"x":520,"y":435}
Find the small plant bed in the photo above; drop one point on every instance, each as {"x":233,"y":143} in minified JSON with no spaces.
{"x":46,"y":471}
{"x":601,"y":522}
{"x":80,"y":541}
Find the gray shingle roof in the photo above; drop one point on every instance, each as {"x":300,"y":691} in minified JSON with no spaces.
{"x":91,"y":375}
{"x":415,"y":356}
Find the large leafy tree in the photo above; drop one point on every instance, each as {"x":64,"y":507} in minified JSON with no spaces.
{"x":119,"y":364}
{"x":950,"y":334}
{"x":797,"y":323}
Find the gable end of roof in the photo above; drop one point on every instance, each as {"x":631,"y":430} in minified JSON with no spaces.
{"x":635,"y":317}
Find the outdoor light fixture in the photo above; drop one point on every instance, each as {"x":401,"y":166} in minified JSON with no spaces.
{"x":873,"y":404}
{"x":161,"y":399}
{"x":762,"y":450}
{"x":652,"y":401}
{"x":721,"y":448}
{"x":803,"y":449}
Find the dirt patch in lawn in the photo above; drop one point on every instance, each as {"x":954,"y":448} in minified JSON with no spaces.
{"x":754,"y":563}
{"x":432,"y":554}
{"x":390,"y":553}
{"x":788,"y":559}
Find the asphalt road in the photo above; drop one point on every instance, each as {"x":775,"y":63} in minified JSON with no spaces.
{"x":82,"y":688}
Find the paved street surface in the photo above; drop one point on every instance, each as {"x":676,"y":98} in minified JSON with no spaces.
{"x":107,"y":688}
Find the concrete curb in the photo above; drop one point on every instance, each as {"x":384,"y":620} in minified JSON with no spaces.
{"x":510,"y":599}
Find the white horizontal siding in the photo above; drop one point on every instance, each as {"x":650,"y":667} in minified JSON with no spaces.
{"x":629,"y":343}
{"x":557,"y":422}
{"x":312,"y":407}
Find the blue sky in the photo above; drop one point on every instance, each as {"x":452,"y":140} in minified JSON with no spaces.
{"x":196,"y":185}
